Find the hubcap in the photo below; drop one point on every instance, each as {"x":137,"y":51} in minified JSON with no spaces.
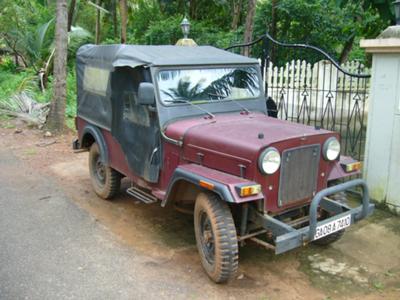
{"x":207,"y":238}
{"x":100,"y":171}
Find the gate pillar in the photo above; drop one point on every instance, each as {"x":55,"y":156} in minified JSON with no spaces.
{"x":382,"y":153}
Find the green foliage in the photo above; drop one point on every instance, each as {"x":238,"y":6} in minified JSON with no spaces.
{"x":76,"y":38}
{"x":15,"y":82}
{"x":7,"y":64}
{"x":70,"y":111}
{"x":164,"y":32}
{"x":140,"y":19}
{"x":383,"y":7}
{"x":12,"y":83}
{"x":85,"y":16}
{"x":322,"y":23}
{"x":168,"y":32}
{"x":27,"y":28}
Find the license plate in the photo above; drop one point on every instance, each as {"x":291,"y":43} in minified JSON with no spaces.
{"x":333,"y":226}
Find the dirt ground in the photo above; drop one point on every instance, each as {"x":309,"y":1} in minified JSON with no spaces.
{"x":364,"y":264}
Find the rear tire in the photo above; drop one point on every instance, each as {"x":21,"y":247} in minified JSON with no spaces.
{"x":105,"y":180}
{"x":216,"y":237}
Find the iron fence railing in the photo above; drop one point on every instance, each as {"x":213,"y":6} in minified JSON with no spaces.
{"x":314,"y":89}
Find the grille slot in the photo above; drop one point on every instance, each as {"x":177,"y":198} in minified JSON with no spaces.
{"x":299,"y":174}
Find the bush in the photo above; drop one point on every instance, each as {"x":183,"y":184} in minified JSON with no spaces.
{"x":7,"y":64}
{"x":27,"y":81}
{"x":11,"y":83}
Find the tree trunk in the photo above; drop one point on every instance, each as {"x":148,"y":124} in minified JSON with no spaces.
{"x":192,"y":9}
{"x":237,"y":8}
{"x":71,"y":12}
{"x":344,"y":55}
{"x":123,"y":9}
{"x":248,"y":32}
{"x":98,"y":25}
{"x":56,"y":118}
{"x":115,"y":20}
{"x":273,"y":27}
{"x":274,"y":19}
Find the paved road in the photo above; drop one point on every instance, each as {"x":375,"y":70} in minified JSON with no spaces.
{"x":51,"y":249}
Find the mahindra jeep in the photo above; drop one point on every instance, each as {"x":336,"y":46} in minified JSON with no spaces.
{"x":189,"y":127}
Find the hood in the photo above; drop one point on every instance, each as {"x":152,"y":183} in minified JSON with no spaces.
{"x":232,"y":140}
{"x":237,"y":131}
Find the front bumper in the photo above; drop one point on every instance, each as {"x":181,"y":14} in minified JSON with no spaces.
{"x":288,"y":238}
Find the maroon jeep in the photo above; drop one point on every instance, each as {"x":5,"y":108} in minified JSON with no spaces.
{"x":189,"y":127}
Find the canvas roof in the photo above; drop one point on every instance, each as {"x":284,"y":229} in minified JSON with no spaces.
{"x":138,"y":55}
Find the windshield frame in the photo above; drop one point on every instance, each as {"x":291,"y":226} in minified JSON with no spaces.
{"x":168,"y":113}
{"x":199,"y":67}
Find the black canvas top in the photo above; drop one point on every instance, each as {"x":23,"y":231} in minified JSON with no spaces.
{"x":138,"y":55}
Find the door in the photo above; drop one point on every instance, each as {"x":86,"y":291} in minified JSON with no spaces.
{"x":135,"y":126}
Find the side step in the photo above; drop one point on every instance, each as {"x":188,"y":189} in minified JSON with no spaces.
{"x":141,"y":195}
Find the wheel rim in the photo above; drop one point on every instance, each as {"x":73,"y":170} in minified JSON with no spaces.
{"x":99,"y":170}
{"x":207,"y":238}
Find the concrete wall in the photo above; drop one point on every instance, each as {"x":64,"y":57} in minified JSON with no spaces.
{"x":382,"y":157}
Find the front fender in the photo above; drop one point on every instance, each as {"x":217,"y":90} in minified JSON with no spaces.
{"x":338,"y":172}
{"x":219,"y":182}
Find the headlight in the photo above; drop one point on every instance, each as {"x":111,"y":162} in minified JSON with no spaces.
{"x":331,"y":149}
{"x":269,"y":161}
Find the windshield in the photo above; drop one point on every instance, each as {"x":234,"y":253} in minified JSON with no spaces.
{"x":208,"y":85}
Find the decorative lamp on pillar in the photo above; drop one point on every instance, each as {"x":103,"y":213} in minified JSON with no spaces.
{"x":185,"y":26}
{"x":397,"y":11}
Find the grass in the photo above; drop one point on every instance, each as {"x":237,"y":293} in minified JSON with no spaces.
{"x":31,"y":151}
{"x":13,"y":81}
{"x":379,"y":285}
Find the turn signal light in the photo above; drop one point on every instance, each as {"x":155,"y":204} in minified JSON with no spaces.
{"x":207,"y":185}
{"x":249,"y":190}
{"x":351,"y":167}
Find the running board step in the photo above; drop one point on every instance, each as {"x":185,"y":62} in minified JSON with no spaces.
{"x":141,"y":195}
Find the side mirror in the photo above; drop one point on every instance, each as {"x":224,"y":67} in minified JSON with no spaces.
{"x":146,"y":93}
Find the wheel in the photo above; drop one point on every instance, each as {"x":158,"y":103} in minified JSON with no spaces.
{"x":216,"y":237}
{"x":105,"y":180}
{"x":329,"y":239}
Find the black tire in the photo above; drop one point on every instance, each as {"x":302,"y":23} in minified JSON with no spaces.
{"x":329,"y":239}
{"x":216,"y":237}
{"x":105,"y":180}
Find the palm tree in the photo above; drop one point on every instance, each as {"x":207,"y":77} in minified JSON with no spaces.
{"x":184,"y":92}
{"x":123,"y":8}
{"x":56,"y":118}
{"x":220,"y":88}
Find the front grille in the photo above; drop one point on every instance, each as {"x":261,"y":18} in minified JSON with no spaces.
{"x":299,"y":174}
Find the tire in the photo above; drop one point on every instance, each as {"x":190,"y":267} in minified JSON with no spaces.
{"x":105,"y":180}
{"x":216,"y":237}
{"x":329,"y":239}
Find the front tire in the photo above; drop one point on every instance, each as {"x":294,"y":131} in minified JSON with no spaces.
{"x":216,"y":237}
{"x":105,"y":180}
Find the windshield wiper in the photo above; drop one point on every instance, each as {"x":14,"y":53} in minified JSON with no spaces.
{"x":190,"y":102}
{"x":233,"y":100}
{"x":240,"y":105}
